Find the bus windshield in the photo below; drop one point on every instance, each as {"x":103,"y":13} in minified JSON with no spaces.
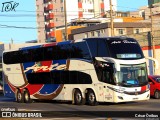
{"x":112,"y":47}
{"x":131,"y":49}
{"x":132,"y":75}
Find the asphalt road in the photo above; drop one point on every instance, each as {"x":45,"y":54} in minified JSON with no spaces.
{"x":66,"y":109}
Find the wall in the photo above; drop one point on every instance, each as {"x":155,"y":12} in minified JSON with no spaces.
{"x":61,"y":31}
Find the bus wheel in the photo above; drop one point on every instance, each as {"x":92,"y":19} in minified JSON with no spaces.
{"x":157,"y":94}
{"x":78,"y":97}
{"x":91,"y":98}
{"x":26,"y":96}
{"x":19,"y":97}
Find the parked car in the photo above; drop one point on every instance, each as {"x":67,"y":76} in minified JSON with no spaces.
{"x":154,"y":81}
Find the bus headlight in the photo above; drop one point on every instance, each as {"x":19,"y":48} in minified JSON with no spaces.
{"x":116,"y":90}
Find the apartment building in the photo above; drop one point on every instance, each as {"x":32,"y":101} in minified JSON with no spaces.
{"x":51,"y":14}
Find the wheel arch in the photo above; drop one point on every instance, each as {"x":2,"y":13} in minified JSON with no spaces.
{"x":87,"y":89}
{"x":73,"y":92}
{"x":16,"y":91}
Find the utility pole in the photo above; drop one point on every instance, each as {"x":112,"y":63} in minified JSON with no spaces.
{"x":111,"y":17}
{"x":65,"y":18}
{"x":152,"y":36}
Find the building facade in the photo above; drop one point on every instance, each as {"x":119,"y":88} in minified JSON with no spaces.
{"x":104,"y":30}
{"x":51,"y":14}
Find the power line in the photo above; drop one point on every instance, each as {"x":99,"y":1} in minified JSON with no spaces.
{"x":8,"y":26}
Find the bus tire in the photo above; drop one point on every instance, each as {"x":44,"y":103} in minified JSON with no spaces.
{"x":19,"y":97}
{"x":26,"y":96}
{"x":78,"y":99}
{"x":157,"y":94}
{"x":91,"y":98}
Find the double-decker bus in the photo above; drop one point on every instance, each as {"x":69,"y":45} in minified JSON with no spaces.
{"x":85,"y":71}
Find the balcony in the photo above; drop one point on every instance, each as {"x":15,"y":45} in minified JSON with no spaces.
{"x":79,"y":4}
{"x":51,"y":34}
{"x":50,"y":16}
{"x":102,"y":5}
{"x":49,"y":7}
{"x":51,"y":25}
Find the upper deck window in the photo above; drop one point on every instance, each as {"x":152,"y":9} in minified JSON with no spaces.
{"x":124,"y":48}
{"x":120,"y":48}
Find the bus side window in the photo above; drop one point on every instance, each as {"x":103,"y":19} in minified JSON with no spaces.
{"x":64,"y":51}
{"x":56,"y":77}
{"x":15,"y":57}
{"x":6,"y":57}
{"x":26,"y":55}
{"x":49,"y":52}
{"x":99,"y":73}
{"x":84,"y":78}
{"x":38,"y":54}
{"x":80,"y":50}
{"x":73,"y":78}
{"x":65,"y":76}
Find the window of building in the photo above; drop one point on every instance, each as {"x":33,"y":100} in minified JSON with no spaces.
{"x":92,"y":34}
{"x":103,"y":31}
{"x":37,"y":7}
{"x":61,"y":1}
{"x":39,"y":32}
{"x":97,"y":33}
{"x":102,"y":10}
{"x":120,"y":31}
{"x":62,"y":9}
{"x":91,"y":10}
{"x":86,"y":35}
{"x":137,"y":31}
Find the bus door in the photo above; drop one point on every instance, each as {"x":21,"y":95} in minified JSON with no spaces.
{"x":106,"y":75}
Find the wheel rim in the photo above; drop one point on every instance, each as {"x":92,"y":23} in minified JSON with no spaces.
{"x":19,"y":96}
{"x":26,"y":96}
{"x":91,"y":97}
{"x":78,"y":97}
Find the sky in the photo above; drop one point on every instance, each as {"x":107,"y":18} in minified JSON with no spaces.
{"x":23,"y":15}
{"x":130,"y":5}
{"x":19,"y":24}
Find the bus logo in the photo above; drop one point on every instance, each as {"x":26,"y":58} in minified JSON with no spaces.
{"x":36,"y":67}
